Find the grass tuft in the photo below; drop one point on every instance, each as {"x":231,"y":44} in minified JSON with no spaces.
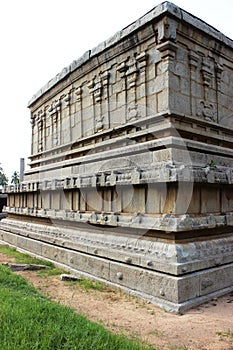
{"x":50,"y":272}
{"x":90,"y":284}
{"x":225,"y":334}
{"x":22,"y":258}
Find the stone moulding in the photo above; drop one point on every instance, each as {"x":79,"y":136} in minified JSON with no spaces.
{"x":131,"y":165}
{"x":166,"y":222}
{"x":167,"y":173}
{"x":175,"y":277}
{"x":159,"y":256}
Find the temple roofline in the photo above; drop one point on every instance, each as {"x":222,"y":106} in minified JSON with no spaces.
{"x":155,"y":13}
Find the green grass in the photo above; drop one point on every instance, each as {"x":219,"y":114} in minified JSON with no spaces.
{"x":29,"y":321}
{"x":89,"y":284}
{"x":83,"y":283}
{"x":53,"y":271}
{"x":225,"y":334}
{"x":22,"y":258}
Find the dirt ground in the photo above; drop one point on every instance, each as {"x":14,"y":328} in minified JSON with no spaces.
{"x":206,"y":327}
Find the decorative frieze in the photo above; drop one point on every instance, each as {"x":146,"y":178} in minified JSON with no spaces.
{"x":163,"y":173}
{"x":166,"y":222}
{"x":190,"y":254}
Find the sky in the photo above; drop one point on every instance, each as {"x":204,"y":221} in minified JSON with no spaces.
{"x":41,"y":37}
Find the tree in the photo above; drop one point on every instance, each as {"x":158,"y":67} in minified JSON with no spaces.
{"x":3,"y":178}
{"x":15,"y":178}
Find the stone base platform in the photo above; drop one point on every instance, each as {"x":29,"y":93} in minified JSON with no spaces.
{"x":175,"y":276}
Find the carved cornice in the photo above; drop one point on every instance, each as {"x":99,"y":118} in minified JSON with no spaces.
{"x":165,"y":222}
{"x":164,"y":173}
{"x":167,"y":49}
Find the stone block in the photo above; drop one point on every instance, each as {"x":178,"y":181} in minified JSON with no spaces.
{"x":156,"y":196}
{"x":94,"y":200}
{"x":92,"y":265}
{"x":188,"y":288}
{"x":180,"y":103}
{"x":210,"y":202}
{"x":195,"y":201}
{"x":150,"y":283}
{"x":175,"y":83}
{"x":216,"y":279}
{"x":55,"y":200}
{"x":227,"y":200}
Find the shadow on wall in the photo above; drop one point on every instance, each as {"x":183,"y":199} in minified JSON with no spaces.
{"x":3,"y":202}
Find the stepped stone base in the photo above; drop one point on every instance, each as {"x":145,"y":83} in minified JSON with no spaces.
{"x":175,"y":276}
{"x":131,"y":165}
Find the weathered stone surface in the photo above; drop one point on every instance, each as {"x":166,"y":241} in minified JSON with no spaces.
{"x":31,"y":267}
{"x":69,"y":277}
{"x":132,"y":163}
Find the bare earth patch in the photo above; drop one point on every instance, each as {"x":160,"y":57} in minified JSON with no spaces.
{"x":201,"y":328}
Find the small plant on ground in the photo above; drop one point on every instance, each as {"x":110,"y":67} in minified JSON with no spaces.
{"x":54,"y":271}
{"x":226,"y":334}
{"x":157,"y":333}
{"x":88,"y":284}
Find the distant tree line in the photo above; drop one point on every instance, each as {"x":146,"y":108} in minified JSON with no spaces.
{"x":4,"y":180}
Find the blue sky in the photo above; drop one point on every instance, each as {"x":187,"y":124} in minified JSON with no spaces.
{"x":39,"y":38}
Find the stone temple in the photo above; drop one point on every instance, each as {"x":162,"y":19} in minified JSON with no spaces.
{"x":131,"y":165}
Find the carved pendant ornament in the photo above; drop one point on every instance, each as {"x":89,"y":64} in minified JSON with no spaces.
{"x":207,"y":111}
{"x":133,"y":113}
